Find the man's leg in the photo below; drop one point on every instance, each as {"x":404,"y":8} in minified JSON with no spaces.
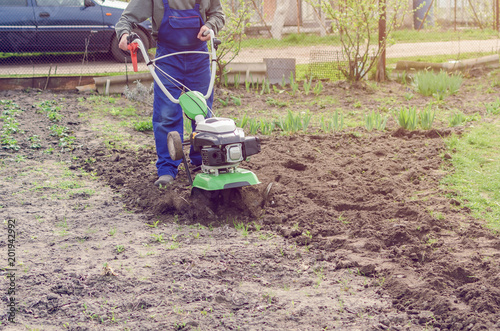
{"x":198,"y":79}
{"x":167,"y":116}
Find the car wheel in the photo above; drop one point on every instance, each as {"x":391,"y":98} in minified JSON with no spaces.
{"x":120,"y":55}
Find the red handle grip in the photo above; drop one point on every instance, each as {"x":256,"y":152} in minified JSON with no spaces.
{"x":133,"y":47}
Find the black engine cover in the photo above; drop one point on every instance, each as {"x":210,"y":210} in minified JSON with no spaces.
{"x":200,"y":139}
{"x":212,"y":156}
{"x":251,"y":146}
{"x":212,"y":146}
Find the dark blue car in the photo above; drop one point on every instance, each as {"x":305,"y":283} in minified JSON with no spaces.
{"x":64,"y":26}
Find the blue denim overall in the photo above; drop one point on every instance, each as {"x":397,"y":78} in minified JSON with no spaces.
{"x":178,"y":31}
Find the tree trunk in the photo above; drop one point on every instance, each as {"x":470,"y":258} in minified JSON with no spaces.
{"x":279,"y":18}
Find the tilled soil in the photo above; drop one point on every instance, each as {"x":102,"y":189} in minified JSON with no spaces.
{"x":348,"y":230}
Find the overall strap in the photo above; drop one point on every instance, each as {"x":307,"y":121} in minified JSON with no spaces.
{"x":165,"y":4}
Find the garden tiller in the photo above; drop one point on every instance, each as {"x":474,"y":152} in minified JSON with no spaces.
{"x":223,"y":146}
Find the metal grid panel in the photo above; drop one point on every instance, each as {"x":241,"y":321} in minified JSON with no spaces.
{"x":326,"y":65}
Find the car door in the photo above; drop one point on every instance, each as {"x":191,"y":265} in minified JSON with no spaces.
{"x":69,"y":25}
{"x":17,"y":25}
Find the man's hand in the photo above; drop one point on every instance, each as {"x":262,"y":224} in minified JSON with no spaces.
{"x":200,"y":34}
{"x":123,"y":42}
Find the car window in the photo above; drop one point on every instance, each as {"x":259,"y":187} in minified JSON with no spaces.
{"x":60,"y":3}
{"x":13,"y":3}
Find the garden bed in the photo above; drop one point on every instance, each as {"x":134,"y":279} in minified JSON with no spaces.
{"x":356,"y":233}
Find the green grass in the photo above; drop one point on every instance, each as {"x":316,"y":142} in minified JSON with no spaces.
{"x":431,"y":35}
{"x":293,"y":39}
{"x":438,"y":58}
{"x":476,"y":176}
{"x":142,"y":126}
{"x":108,"y":117}
{"x":398,"y":36}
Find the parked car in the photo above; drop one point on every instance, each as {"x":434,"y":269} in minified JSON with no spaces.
{"x":65,"y":26}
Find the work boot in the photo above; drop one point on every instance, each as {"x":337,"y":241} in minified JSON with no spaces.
{"x":164,"y":180}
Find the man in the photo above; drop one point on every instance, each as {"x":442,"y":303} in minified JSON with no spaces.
{"x":178,"y":25}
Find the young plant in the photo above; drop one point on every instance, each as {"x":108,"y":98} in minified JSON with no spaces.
{"x":51,"y":110}
{"x":237,"y":81}
{"x":10,"y":125}
{"x":402,"y":78}
{"x":293,"y":84}
{"x":266,"y":88}
{"x":277,"y":103}
{"x":283,"y":81}
{"x":154,"y":225}
{"x":407,"y":118}
{"x":257,"y":85}
{"x":158,"y":237}
{"x":375,"y":121}
{"x":54,"y":116}
{"x":438,"y":85}
{"x":243,"y":123}
{"x":9,"y":142}
{"x":318,"y":88}
{"x":253,"y":126}
{"x":236,"y":100}
{"x":241,"y":227}
{"x":333,"y":123}
{"x":35,"y":142}
{"x":293,"y":123}
{"x":62,"y":132}
{"x":247,"y":86}
{"x":426,"y":118}
{"x":493,"y":108}
{"x":223,"y":102}
{"x":254,"y":85}
{"x":266,"y":127}
{"x":458,"y":118}
{"x":120,"y":248}
{"x":306,"y":119}
{"x":408,"y":96}
{"x":307,"y":86}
